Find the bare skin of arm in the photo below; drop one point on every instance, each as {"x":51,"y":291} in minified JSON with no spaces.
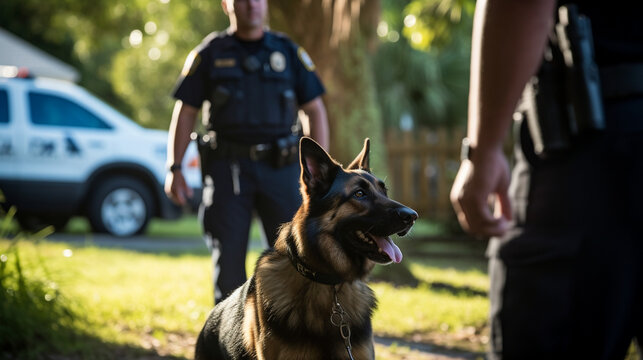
{"x":316,"y":112}
{"x":508,"y":42}
{"x":183,"y":120}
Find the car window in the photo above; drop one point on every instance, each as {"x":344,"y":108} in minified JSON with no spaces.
{"x":56,"y":111}
{"x":4,"y":107}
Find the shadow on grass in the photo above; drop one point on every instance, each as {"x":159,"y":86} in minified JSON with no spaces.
{"x":70,"y":345}
{"x":444,"y":246}
{"x":456,"y":252}
{"x":82,"y":346}
{"x":400,"y":275}
{"x":460,"y":291}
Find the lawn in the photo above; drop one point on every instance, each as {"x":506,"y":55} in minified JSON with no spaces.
{"x":125,"y":302}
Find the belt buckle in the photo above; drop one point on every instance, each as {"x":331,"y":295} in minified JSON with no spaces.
{"x":256,"y":149}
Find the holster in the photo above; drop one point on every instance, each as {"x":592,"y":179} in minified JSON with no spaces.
{"x":543,"y":107}
{"x":205,"y":151}
{"x":286,"y":151}
{"x":564,"y":99}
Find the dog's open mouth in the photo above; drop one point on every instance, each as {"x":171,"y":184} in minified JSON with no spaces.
{"x":385,"y":245}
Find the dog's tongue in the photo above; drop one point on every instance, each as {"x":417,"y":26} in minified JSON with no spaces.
{"x":388,"y":246}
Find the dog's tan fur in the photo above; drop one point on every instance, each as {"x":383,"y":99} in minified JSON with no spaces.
{"x":283,"y":312}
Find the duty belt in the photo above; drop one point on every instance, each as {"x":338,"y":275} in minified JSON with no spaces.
{"x":232,"y":150}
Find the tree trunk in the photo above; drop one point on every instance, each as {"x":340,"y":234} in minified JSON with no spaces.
{"x":340,"y":36}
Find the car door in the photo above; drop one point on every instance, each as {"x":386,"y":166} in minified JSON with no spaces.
{"x":10,"y":141}
{"x":62,"y":141}
{"x":6,"y":134}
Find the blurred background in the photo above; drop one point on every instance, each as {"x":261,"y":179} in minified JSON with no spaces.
{"x":395,"y":71}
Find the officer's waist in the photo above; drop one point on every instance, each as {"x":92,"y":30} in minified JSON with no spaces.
{"x":622,"y":89}
{"x":250,"y":134}
{"x":623,"y":80}
{"x":226,"y":149}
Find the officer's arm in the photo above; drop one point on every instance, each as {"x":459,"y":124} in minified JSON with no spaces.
{"x":507,"y":46}
{"x":318,"y":122}
{"x":183,"y":120}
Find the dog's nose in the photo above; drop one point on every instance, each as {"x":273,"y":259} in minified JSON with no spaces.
{"x":407,"y":215}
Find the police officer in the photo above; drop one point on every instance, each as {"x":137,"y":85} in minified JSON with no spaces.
{"x":254,"y":82}
{"x":566,"y":259}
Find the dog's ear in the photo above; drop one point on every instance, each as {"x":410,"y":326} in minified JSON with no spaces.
{"x":318,"y":169}
{"x":362,"y":160}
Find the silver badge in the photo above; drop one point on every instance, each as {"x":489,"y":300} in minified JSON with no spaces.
{"x":277,"y":61}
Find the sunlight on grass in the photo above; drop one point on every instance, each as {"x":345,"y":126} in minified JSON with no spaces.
{"x":150,"y":300}
{"x":422,"y":310}
{"x":473,"y":278}
{"x":125,"y":294}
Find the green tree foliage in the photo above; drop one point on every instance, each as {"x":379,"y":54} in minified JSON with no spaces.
{"x":129,"y":53}
{"x":422,"y":65}
{"x":339,"y":36}
{"x":35,"y":317}
{"x":147,"y":67}
{"x":436,"y":24}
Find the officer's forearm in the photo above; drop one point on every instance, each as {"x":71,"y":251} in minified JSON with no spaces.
{"x":318,"y":121}
{"x":183,"y":120}
{"x":507,"y":46}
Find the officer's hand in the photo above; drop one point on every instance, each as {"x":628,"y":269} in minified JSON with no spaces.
{"x":486,"y":174}
{"x":176,"y":188}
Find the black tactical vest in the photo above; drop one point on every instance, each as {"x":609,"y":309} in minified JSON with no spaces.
{"x":251,"y":95}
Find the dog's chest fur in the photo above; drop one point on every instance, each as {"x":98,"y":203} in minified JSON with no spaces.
{"x":297,"y":313}
{"x":320,"y":260}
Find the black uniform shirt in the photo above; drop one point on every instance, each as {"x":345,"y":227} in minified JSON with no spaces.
{"x":617,"y":29}
{"x":254,"y":88}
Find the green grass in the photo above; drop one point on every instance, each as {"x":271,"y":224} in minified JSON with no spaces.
{"x":87,"y":302}
{"x":35,"y":317}
{"x":139,"y":300}
{"x":126,"y":298}
{"x":129,"y":303}
{"x":187,"y":226}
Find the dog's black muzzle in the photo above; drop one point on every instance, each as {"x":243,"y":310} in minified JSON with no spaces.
{"x":407,"y":217}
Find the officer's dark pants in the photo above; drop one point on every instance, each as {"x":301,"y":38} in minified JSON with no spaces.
{"x":567,"y":281}
{"x":226,"y":216}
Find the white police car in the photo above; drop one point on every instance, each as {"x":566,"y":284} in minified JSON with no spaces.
{"x":63,"y":152}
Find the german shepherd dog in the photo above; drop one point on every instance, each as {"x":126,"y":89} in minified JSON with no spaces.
{"x":307,"y":299}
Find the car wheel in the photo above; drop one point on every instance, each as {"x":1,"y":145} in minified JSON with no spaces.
{"x":120,"y":206}
{"x":34,"y":223}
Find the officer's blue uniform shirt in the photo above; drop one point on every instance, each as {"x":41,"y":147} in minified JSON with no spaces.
{"x":254,"y":88}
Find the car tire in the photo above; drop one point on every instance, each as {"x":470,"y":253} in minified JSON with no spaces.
{"x":121,"y":206}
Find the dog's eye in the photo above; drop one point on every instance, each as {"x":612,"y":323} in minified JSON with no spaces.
{"x":359,"y":194}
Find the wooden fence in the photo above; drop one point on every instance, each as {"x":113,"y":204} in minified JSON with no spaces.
{"x":422,"y":165}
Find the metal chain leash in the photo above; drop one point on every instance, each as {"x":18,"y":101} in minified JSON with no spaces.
{"x":338,"y":318}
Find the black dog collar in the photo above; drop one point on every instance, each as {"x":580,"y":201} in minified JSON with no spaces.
{"x":305,"y":270}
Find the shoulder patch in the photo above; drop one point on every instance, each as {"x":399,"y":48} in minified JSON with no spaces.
{"x":191,"y":63}
{"x":305,"y":59}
